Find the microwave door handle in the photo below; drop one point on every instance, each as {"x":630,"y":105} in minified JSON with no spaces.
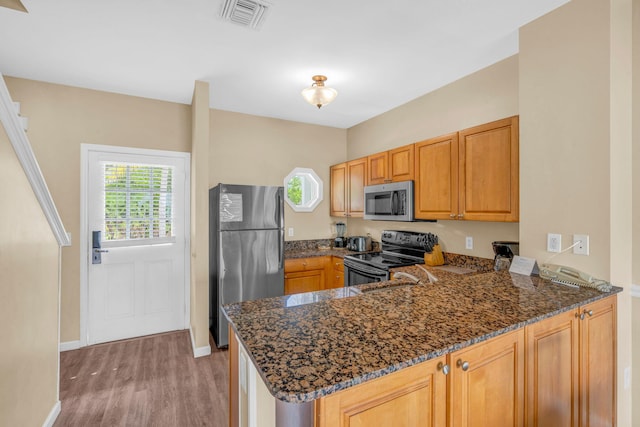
{"x":394,"y":203}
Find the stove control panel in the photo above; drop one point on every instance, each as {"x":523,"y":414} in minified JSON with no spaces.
{"x":409,"y":239}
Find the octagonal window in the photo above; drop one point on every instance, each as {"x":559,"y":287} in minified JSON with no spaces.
{"x":303,"y":189}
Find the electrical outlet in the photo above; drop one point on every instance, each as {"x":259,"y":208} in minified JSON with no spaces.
{"x":468,"y":243}
{"x":554,"y":242}
{"x":290,"y":231}
{"x":583,"y":247}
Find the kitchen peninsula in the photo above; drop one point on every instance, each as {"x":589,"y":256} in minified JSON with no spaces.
{"x":424,"y":354}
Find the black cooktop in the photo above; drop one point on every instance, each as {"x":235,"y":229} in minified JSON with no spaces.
{"x":384,"y":260}
{"x":399,"y":249}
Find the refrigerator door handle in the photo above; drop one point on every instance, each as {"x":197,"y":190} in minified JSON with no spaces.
{"x":280,"y":221}
{"x":281,"y":248}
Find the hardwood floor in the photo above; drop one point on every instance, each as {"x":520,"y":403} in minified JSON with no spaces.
{"x":148,"y":381}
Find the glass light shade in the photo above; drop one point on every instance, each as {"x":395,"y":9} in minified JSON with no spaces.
{"x":319,"y":95}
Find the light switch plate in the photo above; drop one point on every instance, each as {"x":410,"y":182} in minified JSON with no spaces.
{"x":290,"y":231}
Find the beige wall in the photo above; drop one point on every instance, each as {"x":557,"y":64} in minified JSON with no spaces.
{"x":636,"y":206}
{"x":60,"y":119}
{"x":262,"y":151}
{"x":29,"y":295}
{"x":199,"y":307}
{"x":575,"y":147}
{"x":487,"y":95}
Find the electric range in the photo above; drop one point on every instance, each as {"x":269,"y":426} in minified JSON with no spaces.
{"x":399,"y":249}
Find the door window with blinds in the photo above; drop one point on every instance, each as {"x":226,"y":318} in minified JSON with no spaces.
{"x":138,"y":204}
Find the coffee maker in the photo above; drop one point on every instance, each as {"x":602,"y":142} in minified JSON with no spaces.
{"x":340,"y":241}
{"x":504,"y":252}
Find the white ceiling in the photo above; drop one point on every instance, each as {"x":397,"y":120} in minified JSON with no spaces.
{"x":376,"y":54}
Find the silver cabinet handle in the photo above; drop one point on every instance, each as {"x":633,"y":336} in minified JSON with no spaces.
{"x":464,"y":365}
{"x":452,"y":215}
{"x":461,"y":215}
{"x":584,"y":312}
{"x":443,"y":367}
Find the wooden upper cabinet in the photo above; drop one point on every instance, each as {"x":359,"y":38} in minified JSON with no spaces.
{"x":338,"y":176}
{"x":472,"y":174}
{"x":436,"y":183}
{"x":356,"y":178}
{"x":347,"y":188}
{"x":489,"y":171}
{"x":487,"y":383}
{"x":391,"y":166}
{"x":401,"y":163}
{"x":378,"y":166}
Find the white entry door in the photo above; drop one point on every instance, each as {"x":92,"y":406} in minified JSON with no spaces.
{"x":136,"y":204}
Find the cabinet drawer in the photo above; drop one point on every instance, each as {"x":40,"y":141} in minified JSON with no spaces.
{"x":338,"y":264}
{"x":337,"y":279}
{"x":304,"y":264}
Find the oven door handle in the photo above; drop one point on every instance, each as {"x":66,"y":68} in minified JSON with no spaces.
{"x":356,"y":267}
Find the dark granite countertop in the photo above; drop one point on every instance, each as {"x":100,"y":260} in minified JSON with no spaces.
{"x":306,"y":253}
{"x":306,"y":346}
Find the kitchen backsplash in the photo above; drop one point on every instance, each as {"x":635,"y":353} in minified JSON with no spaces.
{"x":306,"y":245}
{"x":467,"y":261}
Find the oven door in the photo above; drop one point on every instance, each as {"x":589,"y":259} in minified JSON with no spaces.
{"x":356,"y":273}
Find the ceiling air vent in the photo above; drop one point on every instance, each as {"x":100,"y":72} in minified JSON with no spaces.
{"x":248,"y":13}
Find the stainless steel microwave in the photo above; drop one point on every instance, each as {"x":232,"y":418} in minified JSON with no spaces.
{"x":389,"y":202}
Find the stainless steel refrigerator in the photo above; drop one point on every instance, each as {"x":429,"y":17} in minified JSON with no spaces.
{"x":246,"y":249}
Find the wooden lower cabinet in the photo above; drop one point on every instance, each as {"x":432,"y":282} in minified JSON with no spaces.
{"x":571,"y":367}
{"x":485,"y":387}
{"x":313,"y":274}
{"x":336,"y":274}
{"x":568,"y":363}
{"x":411,"y":397}
{"x":305,"y":274}
{"x":487,"y":383}
{"x":552,"y":371}
{"x":304,"y":281}
{"x":598,"y":363}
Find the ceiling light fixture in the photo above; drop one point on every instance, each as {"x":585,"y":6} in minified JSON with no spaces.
{"x":318,"y":94}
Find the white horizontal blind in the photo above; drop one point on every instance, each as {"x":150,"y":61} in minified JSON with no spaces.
{"x":138,"y":201}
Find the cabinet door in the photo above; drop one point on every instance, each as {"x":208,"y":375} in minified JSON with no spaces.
{"x":338,"y":205}
{"x":401,"y":163}
{"x":357,"y":176}
{"x":436,"y":178}
{"x":552,"y":371}
{"x":598,"y":363}
{"x":335,"y":278}
{"x":490,"y":391}
{"x":411,"y":397}
{"x":488,"y":171}
{"x":378,"y":168}
{"x":304,"y":281}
